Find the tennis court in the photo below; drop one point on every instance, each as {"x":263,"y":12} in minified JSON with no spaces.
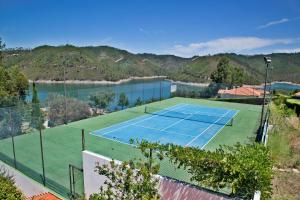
{"x":182,"y":124}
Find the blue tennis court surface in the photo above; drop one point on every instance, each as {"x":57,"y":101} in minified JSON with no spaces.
{"x":183,"y":124}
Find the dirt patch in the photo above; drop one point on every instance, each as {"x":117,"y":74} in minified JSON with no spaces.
{"x":286,"y":185}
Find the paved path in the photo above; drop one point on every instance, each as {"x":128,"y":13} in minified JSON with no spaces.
{"x":28,"y":186}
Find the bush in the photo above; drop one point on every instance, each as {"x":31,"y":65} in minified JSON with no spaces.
{"x":254,"y":101}
{"x":294,"y":105}
{"x":243,"y":169}
{"x":8,"y":190}
{"x":58,"y":114}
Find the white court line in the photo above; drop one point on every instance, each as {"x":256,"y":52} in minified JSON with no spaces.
{"x":134,"y":119}
{"x":142,"y":120}
{"x":236,"y":112}
{"x":180,"y":121}
{"x":170,"y":132}
{"x":195,"y":138}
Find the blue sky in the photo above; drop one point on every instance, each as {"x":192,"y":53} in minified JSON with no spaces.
{"x":184,"y":28}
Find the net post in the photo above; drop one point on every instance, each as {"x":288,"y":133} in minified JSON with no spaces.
{"x":82,"y":139}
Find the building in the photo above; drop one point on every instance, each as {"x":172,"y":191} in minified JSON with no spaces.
{"x":240,"y":92}
{"x":44,"y":196}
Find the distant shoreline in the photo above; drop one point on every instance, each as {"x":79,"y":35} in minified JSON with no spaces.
{"x":103,"y":82}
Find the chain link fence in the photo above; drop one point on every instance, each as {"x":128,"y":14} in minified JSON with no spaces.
{"x":44,"y":141}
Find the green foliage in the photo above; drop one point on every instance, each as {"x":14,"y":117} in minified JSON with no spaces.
{"x":8,"y":190}
{"x":123,"y":100}
{"x":99,"y":63}
{"x":13,"y":86}
{"x":285,"y":107}
{"x":223,"y":74}
{"x":132,"y":180}
{"x":138,"y":101}
{"x":244,"y":169}
{"x":101,"y":100}
{"x":57,"y":113}
{"x":36,"y":114}
{"x":227,"y":74}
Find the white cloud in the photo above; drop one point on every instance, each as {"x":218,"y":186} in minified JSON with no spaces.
{"x":228,"y":45}
{"x":272,"y":23}
{"x":292,"y":50}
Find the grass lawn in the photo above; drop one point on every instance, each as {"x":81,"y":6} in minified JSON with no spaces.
{"x":284,"y":144}
{"x":62,"y":144}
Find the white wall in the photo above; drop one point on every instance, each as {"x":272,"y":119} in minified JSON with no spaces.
{"x":168,"y":189}
{"x":92,"y":180}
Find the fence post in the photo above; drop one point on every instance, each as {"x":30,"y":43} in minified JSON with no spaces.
{"x":42,"y":155}
{"x":14,"y":151}
{"x":12,"y":138}
{"x":82,"y":139}
{"x":70,"y":179}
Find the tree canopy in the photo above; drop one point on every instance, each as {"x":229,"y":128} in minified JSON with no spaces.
{"x":123,"y":100}
{"x":242,"y":168}
{"x":226,"y":74}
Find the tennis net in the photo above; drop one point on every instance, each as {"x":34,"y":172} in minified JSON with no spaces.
{"x":211,"y":119}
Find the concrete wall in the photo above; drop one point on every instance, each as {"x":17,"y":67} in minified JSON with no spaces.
{"x":168,"y":189}
{"x":92,"y":180}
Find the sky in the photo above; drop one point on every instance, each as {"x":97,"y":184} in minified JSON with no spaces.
{"x":180,"y":27}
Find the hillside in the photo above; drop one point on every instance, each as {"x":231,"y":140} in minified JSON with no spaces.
{"x":108,"y":63}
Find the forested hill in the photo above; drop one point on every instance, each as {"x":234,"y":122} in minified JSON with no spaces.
{"x":108,"y":63}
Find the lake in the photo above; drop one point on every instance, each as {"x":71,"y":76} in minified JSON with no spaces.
{"x":146,"y":90}
{"x":285,"y":86}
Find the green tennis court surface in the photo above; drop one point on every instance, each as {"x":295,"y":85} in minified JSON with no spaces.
{"x":62,"y":144}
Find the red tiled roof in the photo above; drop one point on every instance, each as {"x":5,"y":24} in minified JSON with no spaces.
{"x":44,"y":196}
{"x":172,"y":190}
{"x":242,"y":91}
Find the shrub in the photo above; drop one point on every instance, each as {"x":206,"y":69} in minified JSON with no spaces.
{"x":59,"y":114}
{"x":8,"y":190}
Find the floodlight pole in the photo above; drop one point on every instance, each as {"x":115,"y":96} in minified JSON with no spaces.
{"x":267,"y":61}
{"x":160,"y":88}
{"x":65,"y":99}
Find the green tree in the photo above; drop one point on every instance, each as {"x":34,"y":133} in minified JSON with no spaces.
{"x":227,"y":74}
{"x":138,"y":101}
{"x":243,"y":168}
{"x":223,"y":73}
{"x":21,"y":83}
{"x":238,"y":77}
{"x":131,"y":180}
{"x":101,"y":100}
{"x":36,"y":114}
{"x":8,"y":190}
{"x":123,"y":100}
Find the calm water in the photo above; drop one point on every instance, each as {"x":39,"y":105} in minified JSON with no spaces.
{"x":146,"y":90}
{"x":285,"y":86}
